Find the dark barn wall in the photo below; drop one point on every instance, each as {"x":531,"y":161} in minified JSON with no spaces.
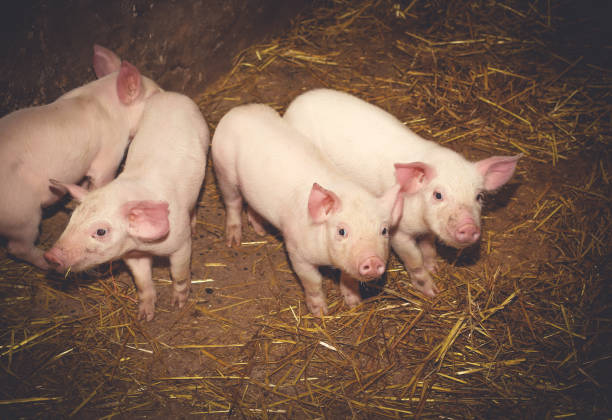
{"x":46,"y":45}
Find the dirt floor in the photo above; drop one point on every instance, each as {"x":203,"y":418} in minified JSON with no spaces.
{"x":529,"y":319}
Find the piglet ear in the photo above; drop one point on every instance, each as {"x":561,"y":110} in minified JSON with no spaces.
{"x":129,"y":84}
{"x":497,"y":170}
{"x":322,"y":203}
{"x":147,"y":220}
{"x":413,"y":176}
{"x":393,"y":199}
{"x":105,"y":61}
{"x":60,"y":188}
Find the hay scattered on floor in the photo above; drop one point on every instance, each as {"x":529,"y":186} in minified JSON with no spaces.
{"x":522,"y":327}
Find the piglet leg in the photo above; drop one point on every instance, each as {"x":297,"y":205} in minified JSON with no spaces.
{"x":349,"y":288}
{"x":410,"y":254}
{"x":141,"y":270}
{"x":21,"y":242}
{"x":180,"y":270}
{"x":312,"y":282}
{"x":428,"y":250}
{"x":256,"y":221}
{"x":233,"y":208}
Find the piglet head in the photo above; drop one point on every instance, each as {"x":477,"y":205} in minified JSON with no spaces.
{"x":356,"y":228}
{"x":101,"y":230}
{"x":453,"y":199}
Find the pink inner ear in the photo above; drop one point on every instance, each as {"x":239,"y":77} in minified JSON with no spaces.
{"x":497,"y":170}
{"x":413,"y":176}
{"x":128,"y":83}
{"x":105,"y":61}
{"x":321,"y":203}
{"x":148,"y":220}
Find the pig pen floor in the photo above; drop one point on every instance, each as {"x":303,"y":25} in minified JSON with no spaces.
{"x":521,"y":328}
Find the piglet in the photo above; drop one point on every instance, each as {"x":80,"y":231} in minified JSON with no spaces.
{"x":363,"y":141}
{"x":148,"y":209}
{"x":84,"y":133}
{"x":325,"y":219}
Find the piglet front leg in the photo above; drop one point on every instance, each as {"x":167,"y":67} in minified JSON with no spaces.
{"x":349,"y":289}
{"x":410,"y":254}
{"x":141,"y":270}
{"x":312,"y":282}
{"x":428,"y":251}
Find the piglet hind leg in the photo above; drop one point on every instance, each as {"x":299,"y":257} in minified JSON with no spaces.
{"x":256,"y":221}
{"x":349,"y":288}
{"x":410,"y":254}
{"x":233,"y":209}
{"x":141,"y":270}
{"x":312,"y":282}
{"x":21,"y":243}
{"x":180,"y":270}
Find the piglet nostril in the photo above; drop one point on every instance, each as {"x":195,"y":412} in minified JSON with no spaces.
{"x":372,"y":267}
{"x":53,"y":260}
{"x":467,"y":233}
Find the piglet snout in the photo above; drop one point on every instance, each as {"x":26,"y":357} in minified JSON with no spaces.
{"x":467,"y":233}
{"x":372,"y":267}
{"x":55,"y":260}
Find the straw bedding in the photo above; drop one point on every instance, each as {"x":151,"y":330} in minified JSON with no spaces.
{"x":521,"y":327}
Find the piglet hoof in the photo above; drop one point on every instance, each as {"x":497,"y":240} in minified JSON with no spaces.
{"x":422,"y":281}
{"x":316,"y":305}
{"x":431,"y":265}
{"x":42,"y":264}
{"x":351,"y":299}
{"x":179,"y":298}
{"x":146,"y":311}
{"x":34,"y":256}
{"x":349,"y":289}
{"x":233,"y":233}
{"x":428,"y":288}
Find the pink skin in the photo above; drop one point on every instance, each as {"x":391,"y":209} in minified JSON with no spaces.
{"x":146,"y":220}
{"x":364,"y":141}
{"x":372,"y":267}
{"x":149,"y":209}
{"x":467,"y":232}
{"x":325,"y":219}
{"x":80,"y":136}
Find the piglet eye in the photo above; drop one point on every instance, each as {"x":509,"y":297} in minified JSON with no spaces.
{"x":100,"y":232}
{"x":385,"y":231}
{"x":341,"y":232}
{"x":480,"y":198}
{"x":437,"y":195}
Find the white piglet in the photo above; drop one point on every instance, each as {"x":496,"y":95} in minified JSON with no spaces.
{"x":84,"y":133}
{"x":149,"y":209}
{"x":325,"y":219}
{"x":363,"y":142}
